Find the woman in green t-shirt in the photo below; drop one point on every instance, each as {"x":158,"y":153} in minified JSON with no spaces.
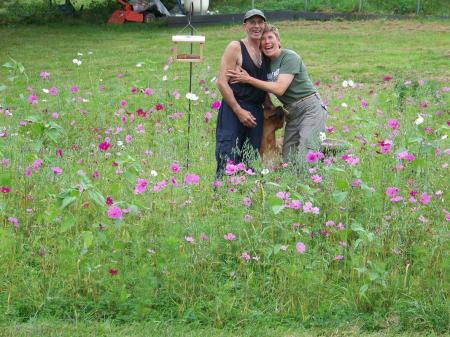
{"x":289,"y":81}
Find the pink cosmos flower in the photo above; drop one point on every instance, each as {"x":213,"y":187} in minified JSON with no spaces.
{"x":300,"y":247}
{"x":37,"y":164}
{"x":207,"y":116}
{"x":246,"y":256}
{"x":33,"y":99}
{"x":104,"y":146}
{"x":247,"y":202}
{"x":393,"y":124}
{"x":396,"y":198}
{"x":28,"y":172}
{"x":159,"y":186}
{"x":248,"y":218}
{"x":312,"y":157}
{"x":44,"y":75}
{"x":387,"y":78}
{"x":356,"y":183}
{"x":109,"y":201}
{"x":159,"y":107}
{"x":53,"y":91}
{"x":216,"y":105}
{"x":141,"y":186}
{"x":55,"y":115}
{"x":114,"y":212}
{"x":57,"y":170}
{"x":128,"y":138}
{"x":339,"y":257}
{"x":148,"y":92}
{"x":445,"y":89}
{"x":5,"y":189}
{"x":123,"y":102}
{"x":133,"y":90}
{"x":173,"y":181}
{"x":295,"y":204}
{"x":391,"y":191}
{"x":74,"y":89}
{"x":405,"y":155}
{"x":424,"y":198}
{"x":385,"y":146}
{"x":217,"y":183}
{"x":113,"y":271}
{"x":175,"y":167}
{"x":189,"y":239}
{"x":230,"y":168}
{"x":316,"y":178}
{"x":191,"y":179}
{"x":229,"y":237}
{"x":363,"y":104}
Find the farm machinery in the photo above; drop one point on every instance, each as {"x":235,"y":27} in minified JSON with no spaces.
{"x":138,"y":11}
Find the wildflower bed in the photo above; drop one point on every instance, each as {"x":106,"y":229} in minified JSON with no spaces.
{"x":101,"y":218}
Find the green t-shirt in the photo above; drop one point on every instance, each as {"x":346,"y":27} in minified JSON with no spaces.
{"x":289,"y":62}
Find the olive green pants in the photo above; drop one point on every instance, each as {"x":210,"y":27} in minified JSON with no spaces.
{"x":305,"y":120}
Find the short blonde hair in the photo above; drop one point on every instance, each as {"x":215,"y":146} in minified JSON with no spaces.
{"x":272,"y":29}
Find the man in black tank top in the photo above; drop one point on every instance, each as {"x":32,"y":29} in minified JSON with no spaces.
{"x":240,"y":119}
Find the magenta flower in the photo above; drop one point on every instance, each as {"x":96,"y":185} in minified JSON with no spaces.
{"x":33,"y":99}
{"x":53,"y":91}
{"x":216,"y":105}
{"x":229,"y":237}
{"x":133,"y":90}
{"x":316,"y":178}
{"x":247,"y":202}
{"x":175,"y":167}
{"x":74,"y":89}
{"x":191,"y":179}
{"x":393,"y":124}
{"x":37,"y":164}
{"x":356,"y":183}
{"x":217,"y":183}
{"x":339,"y":257}
{"x":245,"y":256}
{"x":387,"y":78}
{"x":141,"y":186}
{"x":159,"y":186}
{"x":295,"y":204}
{"x":128,"y":138}
{"x":173,"y":181}
{"x":44,"y":75}
{"x":312,"y":157}
{"x":104,"y":146}
{"x":391,"y":191}
{"x":363,"y":104}
{"x":396,"y":198}
{"x":114,"y":212}
{"x":123,"y":102}
{"x":207,"y":116}
{"x":148,"y":92}
{"x":57,"y":170}
{"x":113,"y":271}
{"x":159,"y":107}
{"x":300,"y":247}
{"x":230,"y":168}
{"x":189,"y":239}
{"x":424,"y":198}
{"x":5,"y":189}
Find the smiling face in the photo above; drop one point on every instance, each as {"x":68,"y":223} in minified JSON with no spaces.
{"x":270,"y":44}
{"x":254,"y":26}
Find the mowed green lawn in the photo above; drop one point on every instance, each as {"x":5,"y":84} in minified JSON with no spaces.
{"x":363,"y":50}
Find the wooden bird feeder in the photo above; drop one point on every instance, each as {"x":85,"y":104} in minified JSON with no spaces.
{"x":189,"y":48}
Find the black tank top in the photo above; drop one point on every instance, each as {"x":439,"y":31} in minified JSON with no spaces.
{"x":246,"y":92}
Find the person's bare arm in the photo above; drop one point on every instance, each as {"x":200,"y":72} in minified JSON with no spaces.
{"x":230,"y":60}
{"x":278,"y":88}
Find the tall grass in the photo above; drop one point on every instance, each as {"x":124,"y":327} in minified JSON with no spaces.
{"x":101,"y":219}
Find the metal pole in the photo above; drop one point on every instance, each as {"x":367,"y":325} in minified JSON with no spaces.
{"x":253,"y":3}
{"x":360,"y":5}
{"x":306,"y":5}
{"x":190,"y":90}
{"x":418,"y":7}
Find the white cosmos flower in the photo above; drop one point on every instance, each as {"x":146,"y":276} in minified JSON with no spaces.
{"x":345,"y":84}
{"x":153,"y":173}
{"x":80,"y":54}
{"x":139,"y":65}
{"x":214,"y":79}
{"x":191,"y":96}
{"x":265,"y":171}
{"x":164,"y":78}
{"x":444,"y":137}
{"x":120,"y":143}
{"x":351,"y":83}
{"x":45,"y":90}
{"x":77,"y":62}
{"x":419,"y":120}
{"x":344,"y":105}
{"x":322,"y":136}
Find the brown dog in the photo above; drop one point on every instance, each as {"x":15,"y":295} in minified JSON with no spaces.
{"x":270,"y":149}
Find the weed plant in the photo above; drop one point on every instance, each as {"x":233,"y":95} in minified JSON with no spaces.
{"x":101,"y":218}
